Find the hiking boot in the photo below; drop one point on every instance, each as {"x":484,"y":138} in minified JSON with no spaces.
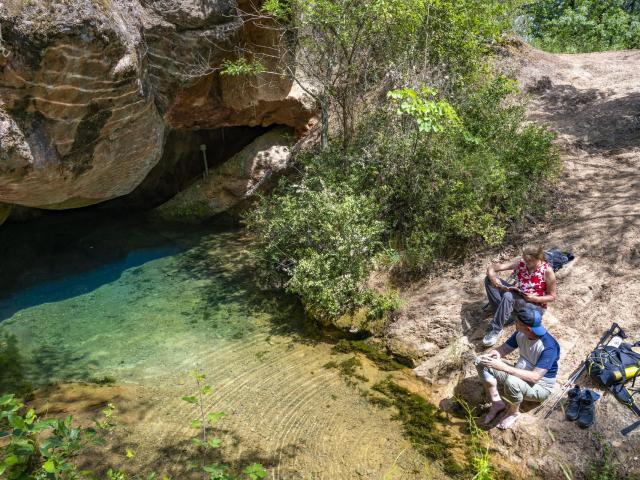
{"x":587,"y":408}
{"x":491,"y":337}
{"x":572,"y":407}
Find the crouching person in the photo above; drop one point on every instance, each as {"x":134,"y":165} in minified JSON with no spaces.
{"x":534,"y":374}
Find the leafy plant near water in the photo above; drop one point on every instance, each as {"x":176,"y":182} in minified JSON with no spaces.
{"x":480,"y":459}
{"x":25,"y":455}
{"x":583,"y":25}
{"x":424,"y":154}
{"x":206,"y":443}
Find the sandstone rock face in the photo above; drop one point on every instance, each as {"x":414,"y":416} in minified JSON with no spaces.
{"x":89,"y":91}
{"x":233,"y":182}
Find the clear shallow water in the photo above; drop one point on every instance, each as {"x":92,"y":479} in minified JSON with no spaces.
{"x":146,"y":304}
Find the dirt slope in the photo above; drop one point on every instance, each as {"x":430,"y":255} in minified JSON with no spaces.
{"x":593,"y":102}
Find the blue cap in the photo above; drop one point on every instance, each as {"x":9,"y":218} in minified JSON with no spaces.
{"x":531,"y":317}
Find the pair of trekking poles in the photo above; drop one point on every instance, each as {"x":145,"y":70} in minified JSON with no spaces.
{"x":614,"y":332}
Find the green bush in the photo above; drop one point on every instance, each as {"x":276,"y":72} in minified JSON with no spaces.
{"x":317,"y":240}
{"x":407,"y":173}
{"x":423,"y":177}
{"x":584,"y":25}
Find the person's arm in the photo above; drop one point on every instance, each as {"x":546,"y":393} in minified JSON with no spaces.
{"x":499,"y":267}
{"x":530,"y":376}
{"x":550,"y":280}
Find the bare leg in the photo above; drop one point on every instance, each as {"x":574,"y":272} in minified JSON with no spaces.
{"x":497,"y":405}
{"x":510,"y":416}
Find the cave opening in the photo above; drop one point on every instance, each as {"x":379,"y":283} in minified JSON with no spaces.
{"x":182,"y":163}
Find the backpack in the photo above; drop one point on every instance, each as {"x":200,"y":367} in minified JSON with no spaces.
{"x":557,"y":259}
{"x":614,"y":368}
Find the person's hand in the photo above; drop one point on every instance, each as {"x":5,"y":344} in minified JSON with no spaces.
{"x":496,"y":283}
{"x":493,"y":354}
{"x":530,"y":298}
{"x":492,"y":362}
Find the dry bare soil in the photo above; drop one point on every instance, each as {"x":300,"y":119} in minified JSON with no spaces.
{"x":592,"y":101}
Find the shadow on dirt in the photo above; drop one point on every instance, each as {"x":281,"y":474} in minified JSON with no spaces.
{"x":598,"y":123}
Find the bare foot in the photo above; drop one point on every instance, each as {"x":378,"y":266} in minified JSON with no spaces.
{"x":496,"y":408}
{"x":507,"y":422}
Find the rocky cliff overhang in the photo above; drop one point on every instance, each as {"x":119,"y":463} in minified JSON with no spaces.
{"x":90,"y":89}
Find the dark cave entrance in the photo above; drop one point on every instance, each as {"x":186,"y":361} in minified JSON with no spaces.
{"x":182,"y":163}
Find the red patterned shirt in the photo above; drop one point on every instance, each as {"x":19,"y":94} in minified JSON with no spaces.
{"x":534,"y":283}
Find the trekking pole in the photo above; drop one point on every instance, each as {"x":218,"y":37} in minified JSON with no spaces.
{"x":613,"y":331}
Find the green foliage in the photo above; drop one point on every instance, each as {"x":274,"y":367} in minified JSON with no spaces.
{"x":431,"y":116}
{"x":429,"y":183}
{"x":346,"y":48}
{"x":26,"y":455}
{"x":205,"y":443}
{"x":278,"y":9}
{"x":255,"y":471}
{"x":318,"y":243}
{"x":418,"y":175}
{"x":606,"y":468}
{"x":241,"y":66}
{"x":583,"y":25}
{"x":480,"y":459}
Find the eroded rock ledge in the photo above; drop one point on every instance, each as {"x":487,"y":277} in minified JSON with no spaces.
{"x":90,"y":90}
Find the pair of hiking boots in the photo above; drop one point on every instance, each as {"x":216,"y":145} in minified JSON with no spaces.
{"x":580,"y":406}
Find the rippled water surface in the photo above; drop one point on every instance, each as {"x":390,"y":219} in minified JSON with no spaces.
{"x":146,"y":304}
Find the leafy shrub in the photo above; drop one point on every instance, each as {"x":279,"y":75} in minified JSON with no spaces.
{"x":584,"y":25}
{"x":317,"y":241}
{"x":27,"y":454}
{"x":423,"y":176}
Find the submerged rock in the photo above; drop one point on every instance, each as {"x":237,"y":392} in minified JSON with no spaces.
{"x":233,"y":182}
{"x":89,"y":90}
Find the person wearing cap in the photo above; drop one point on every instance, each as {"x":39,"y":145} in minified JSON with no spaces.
{"x":532,"y":377}
{"x":535,"y":287}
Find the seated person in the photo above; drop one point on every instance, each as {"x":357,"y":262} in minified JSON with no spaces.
{"x":534,"y":374}
{"x":535,"y":284}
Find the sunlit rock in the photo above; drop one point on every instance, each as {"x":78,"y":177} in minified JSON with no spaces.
{"x":235,"y":181}
{"x":89,"y":90}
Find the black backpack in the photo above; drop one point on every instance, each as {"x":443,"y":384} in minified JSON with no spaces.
{"x":616,"y":369}
{"x":557,"y":259}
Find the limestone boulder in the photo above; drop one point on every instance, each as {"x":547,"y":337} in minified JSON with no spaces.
{"x":79,"y":124}
{"x":233,"y":182}
{"x":90,"y":90}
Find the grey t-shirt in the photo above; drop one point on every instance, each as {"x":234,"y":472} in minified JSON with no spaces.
{"x":542,"y":352}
